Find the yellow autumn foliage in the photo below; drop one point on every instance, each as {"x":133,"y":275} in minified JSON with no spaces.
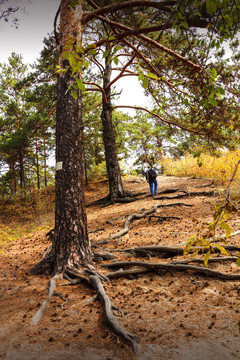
{"x":218,"y":168}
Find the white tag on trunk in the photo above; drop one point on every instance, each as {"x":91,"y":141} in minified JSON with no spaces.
{"x":59,"y":165}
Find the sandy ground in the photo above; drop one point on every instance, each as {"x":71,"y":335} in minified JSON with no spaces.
{"x":177,"y":315}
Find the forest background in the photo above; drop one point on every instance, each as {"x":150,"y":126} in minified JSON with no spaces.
{"x":141,"y":137}
{"x":192,"y":124}
{"x":28,"y":104}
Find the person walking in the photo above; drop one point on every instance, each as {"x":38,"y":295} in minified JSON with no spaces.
{"x":151,"y":177}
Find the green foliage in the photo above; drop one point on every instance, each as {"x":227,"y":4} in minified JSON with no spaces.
{"x":206,"y":237}
{"x":204,"y":102}
{"x":27,"y":119}
{"x":145,"y":136}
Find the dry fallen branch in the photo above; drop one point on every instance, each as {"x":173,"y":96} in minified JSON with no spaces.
{"x":130,"y":339}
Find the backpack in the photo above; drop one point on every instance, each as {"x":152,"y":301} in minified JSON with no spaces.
{"x":152,"y":173}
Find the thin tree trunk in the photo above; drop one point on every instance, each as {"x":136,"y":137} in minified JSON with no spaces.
{"x":85,"y":167}
{"x":113,"y":169}
{"x":37,"y":159}
{"x":45,"y":162}
{"x":146,"y":154}
{"x":159,"y":147}
{"x":20,"y":157}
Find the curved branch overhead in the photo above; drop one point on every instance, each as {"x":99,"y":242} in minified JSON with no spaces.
{"x":159,"y":117}
{"x":125,"y":5}
{"x":139,"y":33}
{"x":98,"y":88}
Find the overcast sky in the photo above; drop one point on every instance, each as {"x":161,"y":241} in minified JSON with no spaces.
{"x":35,"y":22}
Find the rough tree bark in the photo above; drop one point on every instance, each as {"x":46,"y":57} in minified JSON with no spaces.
{"x":114,"y":174}
{"x":71,"y":246}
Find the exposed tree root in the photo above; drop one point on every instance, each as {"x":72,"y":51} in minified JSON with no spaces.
{"x":174,"y":204}
{"x":98,"y":202}
{"x":107,"y":200}
{"x":150,"y":249}
{"x":100,"y":256}
{"x":95,"y":279}
{"x":75,"y":278}
{"x":211,"y":260}
{"x":125,"y":273}
{"x":170,"y":251}
{"x":203,"y":193}
{"x":194,"y":193}
{"x":96,"y":230}
{"x":130,"y":219}
{"x":169,"y":191}
{"x":130,"y":339}
{"x":132,"y":268}
{"x":206,"y":185}
{"x":176,"y":267}
{"x":45,"y":266}
{"x":51,"y":290}
{"x":124,"y":200}
{"x":90,"y":277}
{"x":162,"y":218}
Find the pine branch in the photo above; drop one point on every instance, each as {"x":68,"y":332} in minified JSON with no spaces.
{"x":159,"y":117}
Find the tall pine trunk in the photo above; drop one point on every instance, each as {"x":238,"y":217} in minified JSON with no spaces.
{"x":114,"y":174}
{"x":71,"y":246}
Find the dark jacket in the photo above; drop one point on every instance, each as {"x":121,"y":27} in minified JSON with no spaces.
{"x":148,"y":175}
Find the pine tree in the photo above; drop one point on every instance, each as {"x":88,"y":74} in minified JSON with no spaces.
{"x":16,"y":119}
